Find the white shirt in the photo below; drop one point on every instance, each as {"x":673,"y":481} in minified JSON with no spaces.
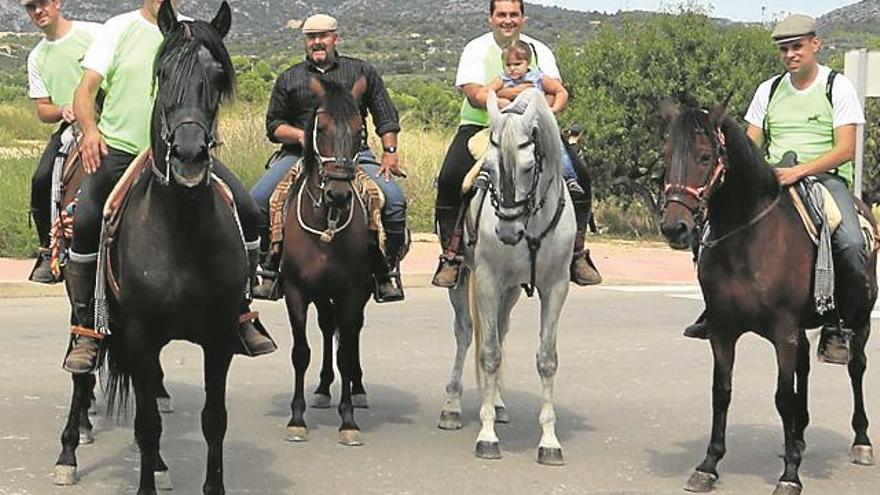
{"x":472,"y":69}
{"x":844,"y":99}
{"x":36,"y":83}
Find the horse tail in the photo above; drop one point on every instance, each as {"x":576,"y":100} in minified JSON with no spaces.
{"x":116,"y":378}
{"x":475,"y":327}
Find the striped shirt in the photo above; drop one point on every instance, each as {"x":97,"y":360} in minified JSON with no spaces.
{"x":293,"y":101}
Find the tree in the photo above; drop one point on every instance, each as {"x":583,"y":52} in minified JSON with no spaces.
{"x":619,"y":79}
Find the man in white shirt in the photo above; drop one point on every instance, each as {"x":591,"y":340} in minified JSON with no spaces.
{"x":813,"y":112}
{"x":53,"y":73}
{"x":480,"y":62}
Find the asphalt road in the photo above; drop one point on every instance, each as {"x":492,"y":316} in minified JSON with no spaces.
{"x":633,"y":403}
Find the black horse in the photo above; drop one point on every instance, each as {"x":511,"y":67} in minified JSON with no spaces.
{"x":326,"y":259}
{"x":756,"y":272}
{"x":179,"y":257}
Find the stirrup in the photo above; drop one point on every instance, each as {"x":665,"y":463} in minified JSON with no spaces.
{"x":447,"y":262}
{"x":253,"y":319}
{"x":271,"y":287}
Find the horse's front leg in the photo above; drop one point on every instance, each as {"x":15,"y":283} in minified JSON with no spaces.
{"x":214,"y":416}
{"x":547,"y":360}
{"x":147,"y":422}
{"x":862,"y":451}
{"x":358,"y":393}
{"x":77,"y":430}
{"x":508,"y":301}
{"x":301,"y":354}
{"x":787,"y":406}
{"x":351,"y":320}
{"x":327,"y":324}
{"x":487,"y":300}
{"x":723,"y":353}
{"x":450,"y":413}
{"x":802,"y":380}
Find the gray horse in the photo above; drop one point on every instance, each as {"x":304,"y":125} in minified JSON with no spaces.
{"x":522,"y":235}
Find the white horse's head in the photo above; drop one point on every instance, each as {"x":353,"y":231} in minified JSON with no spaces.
{"x":524,"y":157}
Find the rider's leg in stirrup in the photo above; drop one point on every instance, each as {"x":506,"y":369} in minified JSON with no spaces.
{"x":582,"y":271}
{"x":82,"y":264}
{"x":41,"y":208}
{"x":254,"y":337}
{"x":850,"y":268}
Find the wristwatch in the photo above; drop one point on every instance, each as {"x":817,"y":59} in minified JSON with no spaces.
{"x":389,"y":149}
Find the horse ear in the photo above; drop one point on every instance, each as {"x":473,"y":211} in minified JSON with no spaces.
{"x":317,"y":87}
{"x":167,"y":19}
{"x":494,"y":111}
{"x":669,"y":110}
{"x":719,"y":112}
{"x":223,"y":20}
{"x":359,"y":88}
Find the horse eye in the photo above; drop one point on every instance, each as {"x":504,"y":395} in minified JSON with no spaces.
{"x":705,"y":158}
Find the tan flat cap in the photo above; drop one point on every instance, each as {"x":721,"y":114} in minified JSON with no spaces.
{"x":319,"y":23}
{"x":793,"y":28}
{"x":27,"y":2}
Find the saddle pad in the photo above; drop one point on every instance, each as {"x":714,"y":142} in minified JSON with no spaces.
{"x":478,"y":144}
{"x":832,"y":212}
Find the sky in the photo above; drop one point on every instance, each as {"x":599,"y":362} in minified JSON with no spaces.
{"x":749,"y":10}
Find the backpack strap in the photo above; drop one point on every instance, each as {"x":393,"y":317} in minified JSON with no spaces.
{"x":829,"y":87}
{"x":765,"y":128}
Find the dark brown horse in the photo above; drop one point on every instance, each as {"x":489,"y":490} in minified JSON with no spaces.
{"x":756,"y":272}
{"x":326,"y":259}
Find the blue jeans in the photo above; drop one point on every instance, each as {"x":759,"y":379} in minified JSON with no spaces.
{"x":567,"y":166}
{"x":393,"y":214}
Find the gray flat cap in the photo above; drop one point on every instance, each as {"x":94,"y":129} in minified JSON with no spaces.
{"x":793,"y":28}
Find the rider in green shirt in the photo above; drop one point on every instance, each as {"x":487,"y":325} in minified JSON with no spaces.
{"x":53,"y":73}
{"x":121,"y":62}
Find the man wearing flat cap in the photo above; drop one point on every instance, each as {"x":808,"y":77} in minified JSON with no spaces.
{"x":291,"y":104}
{"x":812,"y":111}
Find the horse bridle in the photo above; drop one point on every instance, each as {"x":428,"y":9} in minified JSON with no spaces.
{"x":166,"y":133}
{"x":345,"y":173}
{"x":696,"y":199}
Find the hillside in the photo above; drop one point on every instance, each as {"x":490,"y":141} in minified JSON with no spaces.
{"x":857,"y":17}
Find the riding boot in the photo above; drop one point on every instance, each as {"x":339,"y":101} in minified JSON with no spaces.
{"x":698,"y":329}
{"x":269,"y":287}
{"x":42,"y":271}
{"x":449,"y":225}
{"x":255,"y":339}
{"x":833,"y":344}
{"x":583,"y":270}
{"x":386,"y":268}
{"x":85,"y":345}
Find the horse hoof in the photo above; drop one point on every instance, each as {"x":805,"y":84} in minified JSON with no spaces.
{"x":450,"y":420}
{"x":701,"y":482}
{"x":501,"y":415}
{"x":163,"y":481}
{"x":350,"y":438}
{"x":487,"y":450}
{"x":86,"y":436}
{"x":297,"y":434}
{"x":64,"y":475}
{"x":787,"y":488}
{"x":550,"y":456}
{"x":321,"y":401}
{"x":165,"y":405}
{"x":359,"y":401}
{"x":863,"y":455}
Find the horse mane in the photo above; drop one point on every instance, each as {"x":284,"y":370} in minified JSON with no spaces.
{"x":181,"y":47}
{"x":342,"y":107}
{"x":531,"y":100}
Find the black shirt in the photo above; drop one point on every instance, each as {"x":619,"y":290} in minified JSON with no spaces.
{"x":293,"y":101}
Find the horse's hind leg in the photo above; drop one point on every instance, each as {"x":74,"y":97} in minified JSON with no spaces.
{"x":862,"y":451}
{"x":327,"y":324}
{"x":450,"y":413}
{"x":508,"y":301}
{"x":547,"y":361}
{"x":802,"y":376}
{"x":723,"y":353}
{"x":301,"y":355}
{"x":65,"y":466}
{"x":214,"y":416}
{"x":163,"y":398}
